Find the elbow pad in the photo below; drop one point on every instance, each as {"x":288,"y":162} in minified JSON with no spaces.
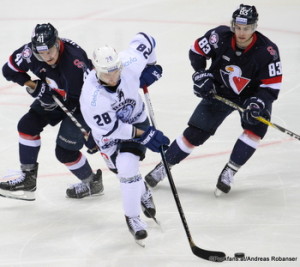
{"x":17,"y":77}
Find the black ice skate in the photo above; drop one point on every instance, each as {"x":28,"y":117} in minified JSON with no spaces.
{"x":137,"y":228}
{"x":147,"y":203}
{"x":22,"y":187}
{"x":156,"y":175}
{"x":225,"y":180}
{"x":85,"y":189}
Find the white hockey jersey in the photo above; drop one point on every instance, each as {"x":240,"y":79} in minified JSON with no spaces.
{"x":111,"y":115}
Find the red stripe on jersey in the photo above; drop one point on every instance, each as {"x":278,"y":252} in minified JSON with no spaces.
{"x":197,"y":48}
{"x":252,"y":135}
{"x":74,"y":162}
{"x":29,"y":137}
{"x":233,"y":43}
{"x":11,"y":61}
{"x":276,"y":79}
{"x":61,"y":92}
{"x":252,"y":42}
{"x":61,"y":47}
{"x":61,"y":50}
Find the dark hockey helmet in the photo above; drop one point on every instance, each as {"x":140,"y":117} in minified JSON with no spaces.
{"x":44,"y":36}
{"x":245,"y":15}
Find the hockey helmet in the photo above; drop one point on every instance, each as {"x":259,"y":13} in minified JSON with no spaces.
{"x":105,"y":60}
{"x":44,"y":37}
{"x":245,"y":15}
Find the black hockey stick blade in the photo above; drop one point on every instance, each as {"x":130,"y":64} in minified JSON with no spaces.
{"x":215,"y":256}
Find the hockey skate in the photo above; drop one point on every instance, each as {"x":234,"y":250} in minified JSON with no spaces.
{"x":147,"y":203}
{"x":22,"y":187}
{"x":85,"y":189}
{"x":225,"y":180}
{"x":156,"y":175}
{"x":137,"y":228}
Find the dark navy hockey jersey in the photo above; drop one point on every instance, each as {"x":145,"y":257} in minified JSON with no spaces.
{"x":239,"y":74}
{"x":68,"y":74}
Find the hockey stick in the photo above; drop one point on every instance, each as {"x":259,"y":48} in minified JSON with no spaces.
{"x":261,"y":119}
{"x":216,"y":256}
{"x":69,"y":114}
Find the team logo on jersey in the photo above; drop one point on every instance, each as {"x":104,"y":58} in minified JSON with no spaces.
{"x":80,"y":64}
{"x":26,"y":53}
{"x":272,"y":52}
{"x":232,"y":78}
{"x":125,"y":109}
{"x":213,"y":38}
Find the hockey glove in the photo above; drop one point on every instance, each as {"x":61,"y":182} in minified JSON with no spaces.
{"x":43,"y":93}
{"x":254,"y":107}
{"x":203,"y":84}
{"x":153,"y":139}
{"x":150,"y":74}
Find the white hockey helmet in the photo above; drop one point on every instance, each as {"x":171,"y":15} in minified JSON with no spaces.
{"x":105,"y":59}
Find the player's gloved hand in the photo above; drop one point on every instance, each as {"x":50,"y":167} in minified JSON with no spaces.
{"x":254,"y":107}
{"x":153,"y":139}
{"x":203,"y":84}
{"x":43,"y":93}
{"x":150,"y":74}
{"x":91,"y":145}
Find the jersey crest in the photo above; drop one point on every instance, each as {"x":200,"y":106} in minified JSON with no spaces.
{"x":125,"y":109}
{"x":232,"y":78}
{"x":27,"y":53}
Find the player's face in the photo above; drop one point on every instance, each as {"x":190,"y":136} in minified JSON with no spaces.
{"x":243,"y":34}
{"x":111,"y":78}
{"x":50,"y":56}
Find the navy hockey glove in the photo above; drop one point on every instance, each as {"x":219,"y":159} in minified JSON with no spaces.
{"x":153,"y":139}
{"x":44,"y":94}
{"x":150,"y":74}
{"x":203,"y":84}
{"x":254,"y":107}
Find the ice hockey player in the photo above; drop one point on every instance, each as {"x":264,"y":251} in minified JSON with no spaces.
{"x":246,"y":69}
{"x":59,"y":66}
{"x":114,"y":110}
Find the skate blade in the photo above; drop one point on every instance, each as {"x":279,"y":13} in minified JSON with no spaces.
{"x":140,"y":242}
{"x":88,"y":196}
{"x":218,"y":192}
{"x":20,"y":195}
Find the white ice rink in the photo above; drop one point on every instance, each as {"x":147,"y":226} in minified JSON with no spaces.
{"x":260,"y":217}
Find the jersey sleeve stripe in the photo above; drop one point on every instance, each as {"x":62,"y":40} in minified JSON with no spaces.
{"x":12,"y":66}
{"x":276,"y":79}
{"x":115,"y":127}
{"x":273,"y":83}
{"x":275,"y":86}
{"x":152,"y":44}
{"x":197,"y":48}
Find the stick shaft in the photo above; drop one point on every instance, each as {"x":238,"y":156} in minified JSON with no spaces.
{"x":261,"y":119}
{"x":169,"y":174}
{"x":70,"y":115}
